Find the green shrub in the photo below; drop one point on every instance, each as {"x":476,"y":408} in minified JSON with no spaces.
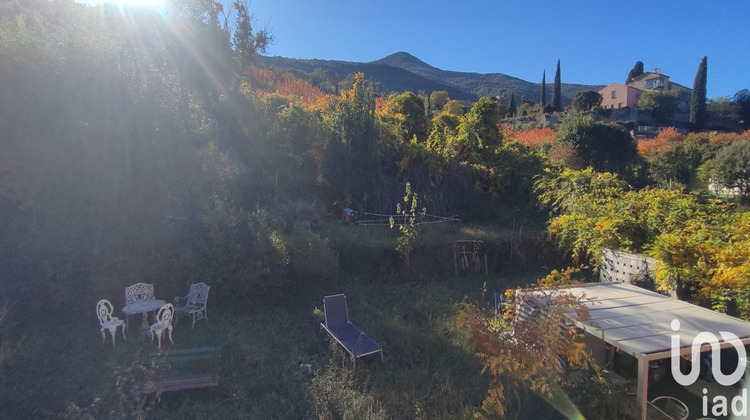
{"x":336,"y":396}
{"x":310,"y":257}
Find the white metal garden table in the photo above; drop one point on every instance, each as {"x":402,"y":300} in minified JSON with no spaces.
{"x":143,"y":307}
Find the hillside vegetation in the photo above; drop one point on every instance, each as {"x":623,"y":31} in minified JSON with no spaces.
{"x":402,"y":71}
{"x":157,"y":147}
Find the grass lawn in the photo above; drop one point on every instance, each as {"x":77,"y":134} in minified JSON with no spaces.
{"x":63,"y":369}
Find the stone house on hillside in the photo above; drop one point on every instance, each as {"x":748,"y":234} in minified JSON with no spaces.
{"x":617,"y":96}
{"x":625,"y":97}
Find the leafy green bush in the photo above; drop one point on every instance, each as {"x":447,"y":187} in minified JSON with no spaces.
{"x":335,"y":396}
{"x":311,"y":258}
{"x":605,"y":147}
{"x":732,"y":168}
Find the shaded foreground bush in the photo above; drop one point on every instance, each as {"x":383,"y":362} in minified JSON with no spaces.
{"x":335,"y":395}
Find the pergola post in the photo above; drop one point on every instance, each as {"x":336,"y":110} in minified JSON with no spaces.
{"x":642,"y":391}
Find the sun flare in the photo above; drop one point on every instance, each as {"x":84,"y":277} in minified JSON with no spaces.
{"x":146,"y":4}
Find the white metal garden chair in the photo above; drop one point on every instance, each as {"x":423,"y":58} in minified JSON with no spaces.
{"x":138,"y":293}
{"x":194,"y":303}
{"x":163,"y":323}
{"x":104,"y":311}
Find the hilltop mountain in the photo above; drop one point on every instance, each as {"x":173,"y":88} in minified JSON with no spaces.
{"x":390,"y":78}
{"x":402,"y":71}
{"x":408,"y":62}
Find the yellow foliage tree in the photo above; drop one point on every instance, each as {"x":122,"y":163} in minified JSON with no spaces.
{"x":527,"y":352}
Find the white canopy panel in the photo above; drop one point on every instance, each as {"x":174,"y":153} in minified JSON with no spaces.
{"x":640,"y":321}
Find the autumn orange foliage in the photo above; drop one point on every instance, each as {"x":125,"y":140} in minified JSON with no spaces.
{"x":526,"y":363}
{"x":532,"y":138}
{"x":664,"y":140}
{"x":536,"y":137}
{"x":723,"y":139}
{"x":261,"y":78}
{"x":302,"y":92}
{"x":265,"y":82}
{"x":380,"y":103}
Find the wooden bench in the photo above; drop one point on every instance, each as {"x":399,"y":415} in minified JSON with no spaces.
{"x":187,"y":381}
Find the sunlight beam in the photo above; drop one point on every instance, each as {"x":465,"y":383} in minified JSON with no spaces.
{"x":159,"y":5}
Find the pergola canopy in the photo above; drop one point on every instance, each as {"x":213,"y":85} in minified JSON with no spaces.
{"x":639,"y":321}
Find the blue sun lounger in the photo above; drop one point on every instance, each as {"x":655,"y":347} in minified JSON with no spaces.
{"x":354,"y":341}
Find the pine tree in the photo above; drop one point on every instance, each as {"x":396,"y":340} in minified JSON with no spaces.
{"x":557,"y":91}
{"x":248,"y":41}
{"x":543,"y":96}
{"x":698,"y":100}
{"x":636,"y":71}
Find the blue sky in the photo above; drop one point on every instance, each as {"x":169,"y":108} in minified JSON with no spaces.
{"x":597,"y":41}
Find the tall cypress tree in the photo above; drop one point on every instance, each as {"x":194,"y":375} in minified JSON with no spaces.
{"x":512,"y":105}
{"x":557,"y":91}
{"x":698,"y":100}
{"x":543,"y":96}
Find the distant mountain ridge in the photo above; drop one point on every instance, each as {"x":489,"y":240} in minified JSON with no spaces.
{"x":402,"y":71}
{"x":389,"y":77}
